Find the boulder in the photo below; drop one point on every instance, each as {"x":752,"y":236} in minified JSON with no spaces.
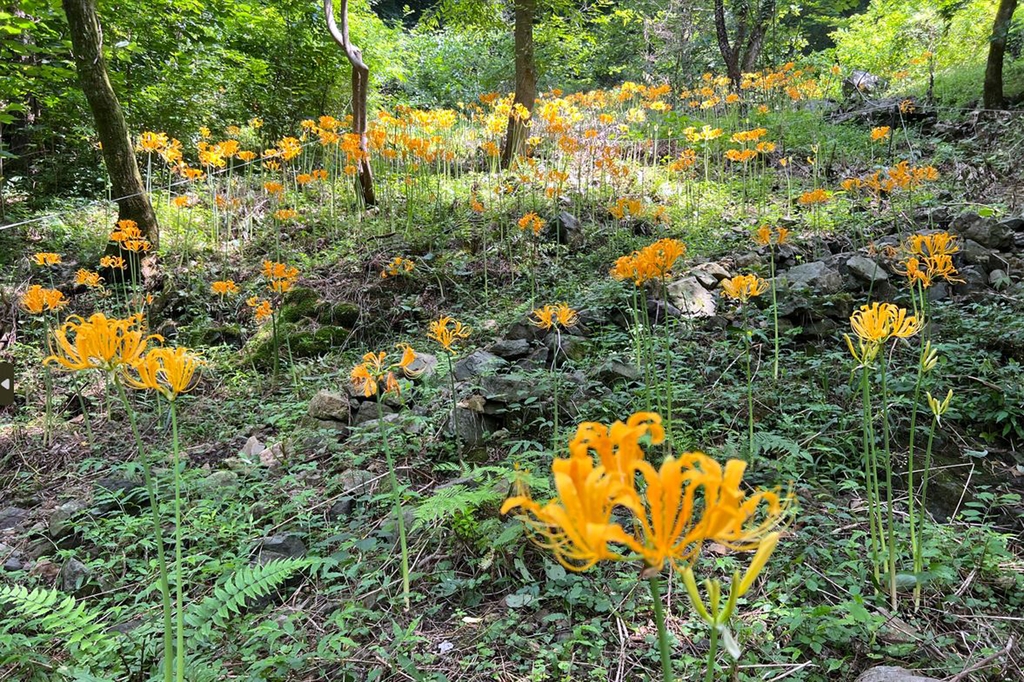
{"x":471,"y":428}
{"x":476,"y":363}
{"x":816,"y":276}
{"x":974,"y":253}
{"x":252,"y":448}
{"x":867,"y":270}
{"x":565,"y":347}
{"x":691,"y":298}
{"x":974,"y":281}
{"x":329,"y":406}
{"x":76,"y":579}
{"x":60,"y":524}
{"x":283,"y":546}
{"x":12,"y":517}
{"x":113,"y":492}
{"x":220,"y":484}
{"x":423,"y":366}
{"x":989,"y":233}
{"x":861,"y":83}
{"x":511,"y":349}
{"x":892,"y":673}
{"x":370,"y":410}
{"x":613,"y":372}
{"x":998,"y":279}
{"x":353,"y":483}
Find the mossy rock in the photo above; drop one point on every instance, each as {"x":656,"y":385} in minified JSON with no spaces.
{"x":299,"y":303}
{"x":309,"y":344}
{"x":217,"y":335}
{"x":303,"y":342}
{"x":339,"y":314}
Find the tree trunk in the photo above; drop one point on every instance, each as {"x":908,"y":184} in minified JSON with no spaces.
{"x":730,"y":54}
{"x":756,"y":41}
{"x":360,"y":87}
{"x":526,"y":80}
{"x":118,"y":154}
{"x":993,"y":94}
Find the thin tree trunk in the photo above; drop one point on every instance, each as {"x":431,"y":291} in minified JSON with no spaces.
{"x":118,"y":154}
{"x":756,"y":41}
{"x":360,"y":88}
{"x":993,"y":94}
{"x":526,"y":79}
{"x":730,"y":54}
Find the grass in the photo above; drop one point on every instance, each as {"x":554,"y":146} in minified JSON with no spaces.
{"x":485,"y":604}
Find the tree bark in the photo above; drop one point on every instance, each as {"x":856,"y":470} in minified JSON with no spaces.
{"x":360,"y":87}
{"x":526,"y":79}
{"x":118,"y":153}
{"x":742,"y":54}
{"x":993,"y":93}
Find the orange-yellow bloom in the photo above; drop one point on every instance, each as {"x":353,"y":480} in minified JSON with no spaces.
{"x":224,"y":287}
{"x":446,"y":335}
{"x":744,"y":287}
{"x":99,"y":343}
{"x":38,"y":300}
{"x":168,"y":371}
{"x":45,"y":258}
{"x":88,"y":278}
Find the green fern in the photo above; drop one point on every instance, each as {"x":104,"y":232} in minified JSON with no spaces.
{"x":774,"y":443}
{"x":51,"y":614}
{"x":245,"y":585}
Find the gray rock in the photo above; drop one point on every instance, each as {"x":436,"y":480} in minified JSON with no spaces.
{"x":354,"y":483}
{"x":113,"y":492}
{"x":712,"y":268}
{"x":997,"y":279}
{"x":815,"y":275}
{"x":861,"y":83}
{"x":938,"y":292}
{"x":747,"y":260}
{"x":511,"y":349}
{"x":11,"y":558}
{"x":613,"y":372}
{"x":564,"y":347}
{"x":370,"y":410}
{"x":284,"y":546}
{"x":523,"y":330}
{"x":867,"y":270}
{"x":252,"y":448}
{"x":568,"y":229}
{"x":60,"y":524}
{"x":76,"y":579}
{"x":12,"y":517}
{"x":691,"y":298}
{"x":975,"y":254}
{"x":476,"y":363}
{"x":975,"y":280}
{"x":989,"y":233}
{"x":406,"y":421}
{"x":502,"y":388}
{"x":329,"y":406}
{"x":423,"y":366}
{"x":220,"y":484}
{"x":891,"y":673}
{"x":471,"y":428}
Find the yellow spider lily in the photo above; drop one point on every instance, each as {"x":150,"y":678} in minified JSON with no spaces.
{"x":744,"y":287}
{"x":168,"y":371}
{"x":38,"y":300}
{"x":99,"y":343}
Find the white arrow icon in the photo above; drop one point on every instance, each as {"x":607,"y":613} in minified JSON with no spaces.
{"x":5,"y":385}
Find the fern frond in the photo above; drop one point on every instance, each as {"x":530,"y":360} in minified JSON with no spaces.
{"x":51,"y":614}
{"x":244,"y":586}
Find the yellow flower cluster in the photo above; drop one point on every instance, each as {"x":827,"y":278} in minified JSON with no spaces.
{"x":653,"y":262}
{"x":261,"y":308}
{"x":397,"y":266}
{"x":280,"y":277}
{"x":38,"y":300}
{"x":902,"y":176}
{"x":765,"y":236}
{"x":447,"y":331}
{"x":550,"y":316}
{"x":368,"y":375}
{"x":46,"y":258}
{"x":743,"y":287}
{"x":874,"y":324}
{"x":533,"y":222}
{"x":673,"y":509}
{"x":129,"y":237}
{"x":224,"y":287}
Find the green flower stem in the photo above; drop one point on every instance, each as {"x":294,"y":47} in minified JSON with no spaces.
{"x":396,"y":497}
{"x":178,"y":577}
{"x":925,"y":475}
{"x":664,"y":645}
{"x":158,"y":534}
{"x":709,"y":676}
{"x":890,"y":522}
{"x":869,"y":472}
{"x":775,"y":315}
{"x":750,"y":403}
